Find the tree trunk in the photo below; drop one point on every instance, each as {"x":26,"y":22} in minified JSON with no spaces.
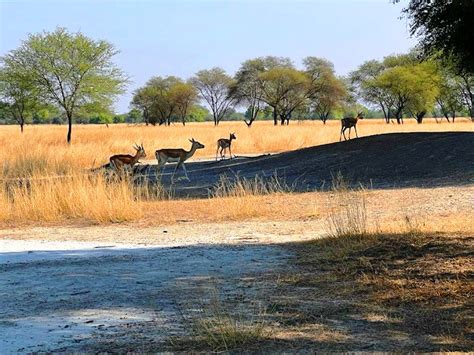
{"x":249,"y":122}
{"x":146,"y":117}
{"x":69,"y":128}
{"x":275,"y":117}
{"x":282,"y":119}
{"x":399,"y":115}
{"x":385,"y":114}
{"x":420,"y":116}
{"x":21,"y":126}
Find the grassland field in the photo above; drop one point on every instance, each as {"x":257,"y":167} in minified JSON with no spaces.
{"x":41,"y":155}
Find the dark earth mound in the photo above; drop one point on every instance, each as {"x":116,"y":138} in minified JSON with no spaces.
{"x":380,"y":161}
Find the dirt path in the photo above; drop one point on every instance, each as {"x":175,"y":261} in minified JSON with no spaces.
{"x":70,"y":288}
{"x":82,"y":295}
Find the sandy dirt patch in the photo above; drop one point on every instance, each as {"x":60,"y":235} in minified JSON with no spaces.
{"x":77,"y":295}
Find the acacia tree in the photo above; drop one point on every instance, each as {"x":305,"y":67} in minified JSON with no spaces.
{"x":18,"y":95}
{"x":414,"y":87}
{"x":248,"y":89}
{"x":284,"y":89}
{"x":215,"y":87}
{"x":466,"y":84}
{"x":162,"y":99}
{"x":143,"y":101}
{"x":365,"y":85}
{"x":325,"y":90}
{"x":449,"y":99}
{"x":162,"y":104}
{"x":68,"y":70}
{"x":426,"y":89}
{"x":249,"y":86}
{"x":332,"y":94}
{"x":183,"y":96}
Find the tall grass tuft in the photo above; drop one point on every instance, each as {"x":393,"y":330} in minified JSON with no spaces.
{"x":91,"y":198}
{"x":241,"y":187}
{"x":213,"y":326}
{"x":347,"y":210}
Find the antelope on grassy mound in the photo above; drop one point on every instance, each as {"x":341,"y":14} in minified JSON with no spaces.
{"x":119,"y":161}
{"x":178,"y":155}
{"x":349,"y":122}
{"x":225,"y":143}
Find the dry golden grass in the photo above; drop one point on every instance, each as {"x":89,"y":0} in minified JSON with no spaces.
{"x":43,"y":149}
{"x":41,"y":153}
{"x":79,"y":197}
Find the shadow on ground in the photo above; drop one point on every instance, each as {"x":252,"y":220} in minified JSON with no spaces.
{"x":68,"y":300}
{"x":380,"y":161}
{"x":386,"y":293}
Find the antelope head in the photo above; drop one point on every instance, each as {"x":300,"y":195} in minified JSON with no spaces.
{"x":196,"y":144}
{"x":232,"y":136}
{"x":140,"y":151}
{"x":360,"y":115}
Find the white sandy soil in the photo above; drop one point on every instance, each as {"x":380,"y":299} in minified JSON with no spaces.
{"x":76,"y":296}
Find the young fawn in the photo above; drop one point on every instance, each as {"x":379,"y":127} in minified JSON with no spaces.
{"x":176,"y":155}
{"x":225,"y":143}
{"x":120,"y":161}
{"x":349,"y":122}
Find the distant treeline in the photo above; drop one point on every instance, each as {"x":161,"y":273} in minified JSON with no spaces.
{"x":62,"y":77}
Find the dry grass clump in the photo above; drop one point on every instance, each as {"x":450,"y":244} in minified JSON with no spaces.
{"x":347,"y":211}
{"x":213,"y":326}
{"x":83,"y":197}
{"x":242,"y":187}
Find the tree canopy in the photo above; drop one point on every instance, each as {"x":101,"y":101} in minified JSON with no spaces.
{"x":444,"y":26}
{"x":67,"y":69}
{"x":215,"y":87}
{"x":163,"y":99}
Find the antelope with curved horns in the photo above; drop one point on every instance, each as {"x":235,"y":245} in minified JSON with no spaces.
{"x":225,"y":143}
{"x":119,"y":161}
{"x":178,"y":155}
{"x":349,"y":122}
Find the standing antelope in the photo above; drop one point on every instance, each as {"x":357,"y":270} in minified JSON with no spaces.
{"x":176,"y":155}
{"x":349,"y":122}
{"x":119,"y":161}
{"x":225,"y":143}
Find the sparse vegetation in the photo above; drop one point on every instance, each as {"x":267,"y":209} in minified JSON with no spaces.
{"x":241,"y":187}
{"x":347,"y":214}
{"x":215,"y":327}
{"x":414,"y":286}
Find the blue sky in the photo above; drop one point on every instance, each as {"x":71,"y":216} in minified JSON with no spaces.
{"x":183,"y":36}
